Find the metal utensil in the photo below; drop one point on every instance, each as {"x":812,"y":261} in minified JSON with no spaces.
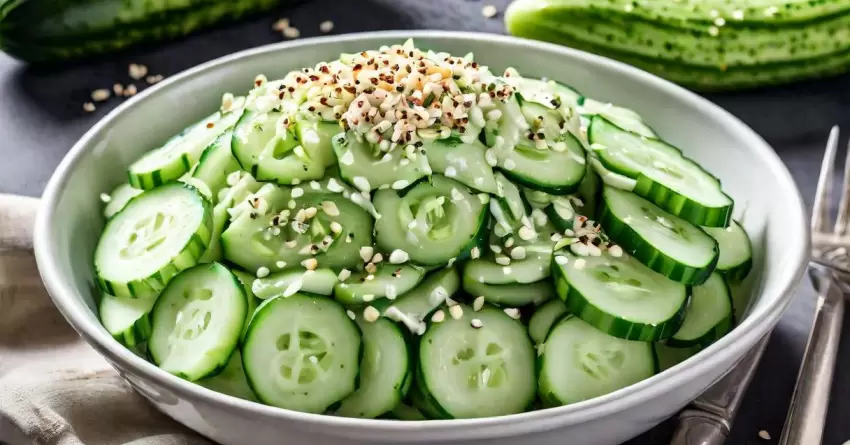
{"x":807,"y":413}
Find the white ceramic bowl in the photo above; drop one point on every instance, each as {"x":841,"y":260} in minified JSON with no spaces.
{"x":70,"y":220}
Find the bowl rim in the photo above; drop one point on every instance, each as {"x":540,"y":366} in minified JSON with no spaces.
{"x":747,"y":333}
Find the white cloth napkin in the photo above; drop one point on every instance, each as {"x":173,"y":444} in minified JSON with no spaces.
{"x":54,"y":388}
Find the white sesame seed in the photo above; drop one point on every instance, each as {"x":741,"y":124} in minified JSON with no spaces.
{"x":262,"y":272}
{"x":615,"y":251}
{"x":362,"y":183}
{"x":377,"y":258}
{"x":399,"y":256}
{"x":130,"y":90}
{"x":713,"y":30}
{"x":451,"y":261}
{"x":326,"y":26}
{"x":153,"y":79}
{"x":366,"y":253}
{"x":509,"y":242}
{"x":495,"y":248}
{"x":280,"y":264}
{"x":490,"y":157}
{"x":579,"y":263}
{"x":371,"y":268}
{"x":310,"y":212}
{"x":347,"y":158}
{"x":88,"y":107}
{"x":400,"y":184}
{"x":489,"y":11}
{"x":503,"y":260}
{"x":371,"y":314}
{"x":475,"y":253}
{"x":137,"y":71}
{"x":484,"y":198}
{"x":506,"y":270}
{"x":579,"y":249}
{"x":100,"y":94}
{"x":105,"y":198}
{"x":518,"y":253}
{"x":351,"y":314}
{"x":476,"y":323}
{"x":764,"y":435}
{"x":456,"y":312}
{"x":526,"y":233}
{"x":297,"y":192}
{"x":368,"y":297}
{"x":510,"y":164}
{"x":512,"y":312}
{"x":310,"y":264}
{"x":344,"y":274}
{"x":291,"y":33}
{"x":280,"y":24}
{"x":336,"y":227}
{"x":334,"y":186}
{"x":118,"y":89}
{"x":478,"y":303}
{"x":438,"y":316}
{"x":719,"y":21}
{"x":560,"y":259}
{"x":494,"y":115}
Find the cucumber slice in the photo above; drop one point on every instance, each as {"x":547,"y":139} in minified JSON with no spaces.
{"x":119,"y":198}
{"x":231,"y":380}
{"x":247,"y":282}
{"x":388,"y":281}
{"x":158,"y":234}
{"x":562,"y":213}
{"x":663,"y":242}
{"x":126,"y":319}
{"x":287,"y":282}
{"x":736,"y":251}
{"x":317,"y":138}
{"x":622,"y":117}
{"x":228,"y":197}
{"x":385,"y":371}
{"x":479,"y":365}
{"x":589,"y":192}
{"x":534,"y":267}
{"x":510,"y":295}
{"x":332,"y":237}
{"x":709,"y":316}
{"x":271,"y":151}
{"x":180,"y":153}
{"x":556,"y":171}
{"x":216,"y":163}
{"x":669,"y":357}
{"x":302,"y":353}
{"x":414,"y":307}
{"x":466,"y":163}
{"x":579,"y":363}
{"x":544,"y":318}
{"x":620,"y":296}
{"x":511,"y":205}
{"x":434,"y":222}
{"x":197,"y":322}
{"x":367,"y":168}
{"x":664,"y":177}
{"x":403,"y":411}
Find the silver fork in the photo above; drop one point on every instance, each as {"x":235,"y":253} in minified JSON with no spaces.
{"x":807,"y":413}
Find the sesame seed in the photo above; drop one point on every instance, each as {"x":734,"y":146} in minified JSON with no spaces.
{"x":366,"y":253}
{"x":350,"y":314}
{"x":503,"y":260}
{"x":478,"y":303}
{"x":456,"y":312}
{"x":489,"y":11}
{"x":336,"y":227}
{"x":509,"y":242}
{"x":490,"y":157}
{"x":560,"y":259}
{"x":326,"y":26}
{"x":118,"y":89}
{"x":371,"y":314}
{"x":310,"y":263}
{"x":476,"y":323}
{"x":262,"y":272}
{"x":280,"y":264}
{"x":475,"y":253}
{"x":512,"y":312}
{"x":368,"y":297}
{"x":438,"y":316}
{"x":377,"y":258}
{"x":764,"y":435}
{"x":400,"y":184}
{"x":579,"y":263}
{"x":291,"y":33}
{"x":495,"y":248}
{"x":510,"y":164}
{"x":105,"y":198}
{"x":137,"y":71}
{"x":526,"y":233}
{"x":310,"y":212}
{"x":88,"y":107}
{"x":398,"y":256}
{"x":154,"y":79}
{"x":360,"y":182}
{"x":130,"y":90}
{"x":518,"y":253}
{"x":291,"y":204}
{"x":344,"y":274}
{"x":714,"y":31}
{"x":615,"y":251}
{"x":330,"y":208}
{"x":297,"y":192}
{"x":100,"y":94}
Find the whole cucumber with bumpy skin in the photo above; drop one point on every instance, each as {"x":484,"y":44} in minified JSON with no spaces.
{"x":52,"y":30}
{"x":704,"y":45}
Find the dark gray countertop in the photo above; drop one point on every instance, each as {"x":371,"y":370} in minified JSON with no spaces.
{"x":41,"y":117}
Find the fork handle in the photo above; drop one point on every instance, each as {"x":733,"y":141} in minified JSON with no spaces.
{"x":807,"y":413}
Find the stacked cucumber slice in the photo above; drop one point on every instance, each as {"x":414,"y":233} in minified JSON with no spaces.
{"x":364,"y":239}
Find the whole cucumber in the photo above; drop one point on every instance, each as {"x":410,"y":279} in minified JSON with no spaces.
{"x":54,"y":30}
{"x":706,"y":45}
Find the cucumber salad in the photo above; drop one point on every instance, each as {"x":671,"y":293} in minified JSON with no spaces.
{"x":404,"y":234}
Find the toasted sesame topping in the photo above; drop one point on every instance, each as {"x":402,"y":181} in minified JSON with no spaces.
{"x":518,"y":253}
{"x":137,"y":71}
{"x":344,"y":274}
{"x":368,"y":297}
{"x":330,"y":208}
{"x":456,"y":312}
{"x":476,"y":323}
{"x":280,"y":264}
{"x":475,"y":253}
{"x":615,"y":251}
{"x":291,"y":33}
{"x":118,"y":89}
{"x":157,"y":78}
{"x":371,"y":268}
{"x":310,"y":212}
{"x":361,"y":183}
{"x":100,"y":94}
{"x":489,"y":11}
{"x":526,"y":233}
{"x":438,"y":316}
{"x":350,"y":314}
{"x":560,"y":259}
{"x":764,"y":435}
{"x":326,"y":26}
{"x":88,"y":107}
{"x":371,"y":314}
{"x":478,"y":303}
{"x":280,"y":24}
{"x":399,"y":256}
{"x":336,"y":227}
{"x":130,"y":90}
{"x":310,"y":264}
{"x":262,"y":272}
{"x":377,"y":258}
{"x":400,"y":184}
{"x":105,"y":198}
{"x":503,"y":260}
{"x":512,"y":312}
{"x":366,"y":253}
